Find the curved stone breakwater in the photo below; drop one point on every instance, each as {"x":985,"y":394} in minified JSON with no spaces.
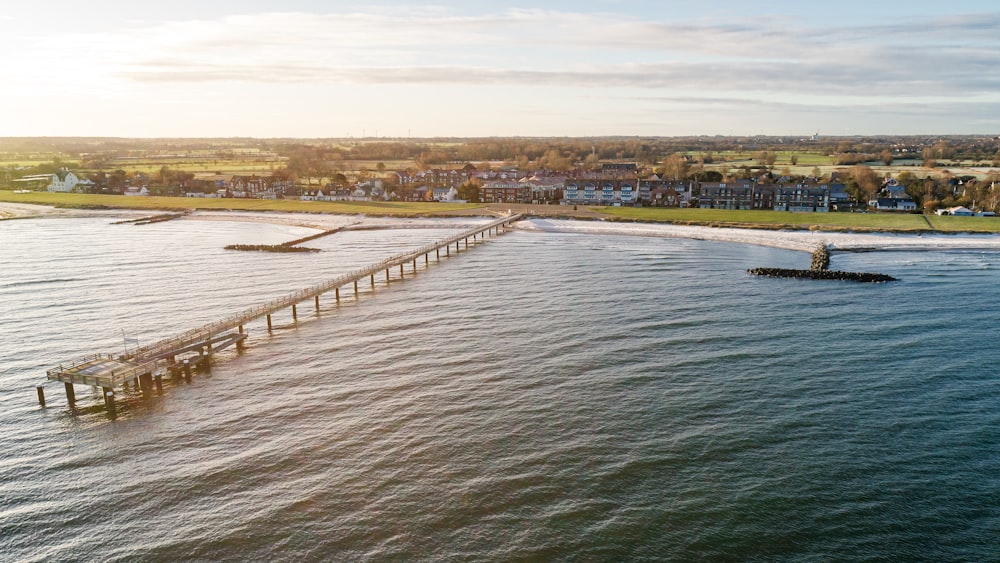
{"x":820,"y":271}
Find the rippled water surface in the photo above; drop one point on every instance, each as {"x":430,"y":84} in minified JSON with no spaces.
{"x":539,"y":397}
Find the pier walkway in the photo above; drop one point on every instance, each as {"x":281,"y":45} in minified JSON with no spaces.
{"x":145,"y":366}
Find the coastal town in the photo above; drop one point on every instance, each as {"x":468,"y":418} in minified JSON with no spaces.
{"x":765,"y":175}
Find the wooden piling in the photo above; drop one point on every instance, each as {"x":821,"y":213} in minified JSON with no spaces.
{"x":373,"y":280}
{"x":317,"y":304}
{"x":337,"y":293}
{"x":41,"y":394}
{"x":158,"y":379}
{"x":109,"y":401}
{"x":400,"y":270}
{"x":295,"y":313}
{"x":187,"y":371}
{"x":356,"y":285}
{"x":269,"y":323}
{"x":146,"y":384}
{"x":70,"y":393}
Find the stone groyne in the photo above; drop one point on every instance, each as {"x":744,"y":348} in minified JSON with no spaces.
{"x":819,"y":270}
{"x":290,"y":246}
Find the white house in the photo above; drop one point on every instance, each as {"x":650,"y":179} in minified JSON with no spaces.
{"x":445,"y":194}
{"x":62,"y":181}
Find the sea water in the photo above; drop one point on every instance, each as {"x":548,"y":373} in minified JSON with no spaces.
{"x":541,"y":397}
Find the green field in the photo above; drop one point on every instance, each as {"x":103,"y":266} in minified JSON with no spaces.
{"x":815,"y":221}
{"x":89,"y":201}
{"x":757,"y":219}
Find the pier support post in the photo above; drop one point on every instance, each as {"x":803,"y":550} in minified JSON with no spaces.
{"x":337,"y":293}
{"x":438,"y":252}
{"x":158,"y":379}
{"x":400,"y":271}
{"x":356,"y":285}
{"x":269,"y":323}
{"x":204,"y":361}
{"x":447,"y":250}
{"x":466,"y":243}
{"x":109,"y":401}
{"x":241,"y":331}
{"x":373,"y":280}
{"x":317,"y":304}
{"x":187,"y":371}
{"x":427,"y":258}
{"x":70,"y":394}
{"x":240,"y":346}
{"x":414,"y":265}
{"x":41,"y":395}
{"x":146,"y":381}
{"x":295,"y":313}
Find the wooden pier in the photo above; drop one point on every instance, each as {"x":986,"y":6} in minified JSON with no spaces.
{"x":177,"y":356}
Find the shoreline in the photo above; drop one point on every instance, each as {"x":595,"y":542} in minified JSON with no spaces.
{"x":790,"y":239}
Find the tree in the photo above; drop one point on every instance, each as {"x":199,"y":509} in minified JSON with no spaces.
{"x":675,"y":167}
{"x":794,"y":159}
{"x":886,"y":157}
{"x":865,"y":180}
{"x":469,"y":191}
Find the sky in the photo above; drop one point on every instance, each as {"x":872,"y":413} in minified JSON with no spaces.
{"x":309,"y":69}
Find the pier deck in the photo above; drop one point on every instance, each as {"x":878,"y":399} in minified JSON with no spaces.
{"x":112,"y":370}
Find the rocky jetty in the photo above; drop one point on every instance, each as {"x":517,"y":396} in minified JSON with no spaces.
{"x":821,"y":275}
{"x":820,"y":271}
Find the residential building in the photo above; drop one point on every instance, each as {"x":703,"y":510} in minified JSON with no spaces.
{"x":802,"y":198}
{"x":727,"y":195}
{"x":505,"y":190}
{"x":893,"y":204}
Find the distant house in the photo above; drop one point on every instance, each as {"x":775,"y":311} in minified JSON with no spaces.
{"x":619,"y":170}
{"x":313,"y":195}
{"x":893,"y":204}
{"x":444,"y":194}
{"x":840,"y":200}
{"x":62,"y":181}
{"x":960,"y":211}
{"x":136,"y":191}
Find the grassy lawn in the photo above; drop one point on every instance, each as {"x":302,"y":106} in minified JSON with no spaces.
{"x":965,"y":224}
{"x":817,"y":221}
{"x":401,"y":209}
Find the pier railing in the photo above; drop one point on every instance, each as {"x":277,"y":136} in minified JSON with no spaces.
{"x":205,"y":332}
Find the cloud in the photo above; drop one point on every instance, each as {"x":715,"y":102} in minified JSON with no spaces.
{"x":533,"y":47}
{"x":927,"y":64}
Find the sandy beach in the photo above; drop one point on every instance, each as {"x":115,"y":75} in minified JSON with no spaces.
{"x":803,"y":240}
